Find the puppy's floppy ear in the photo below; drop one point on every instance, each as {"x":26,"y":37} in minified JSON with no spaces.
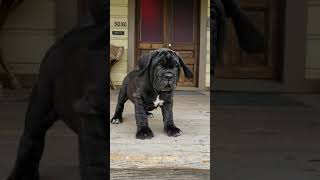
{"x":145,"y":60}
{"x":186,"y":70}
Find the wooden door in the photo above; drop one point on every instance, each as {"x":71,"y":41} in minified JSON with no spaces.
{"x":170,"y":24}
{"x":237,"y":64}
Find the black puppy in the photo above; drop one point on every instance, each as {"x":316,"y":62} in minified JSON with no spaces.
{"x":151,"y":85}
{"x":72,"y":86}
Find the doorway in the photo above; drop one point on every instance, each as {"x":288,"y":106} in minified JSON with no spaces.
{"x":236,"y":64}
{"x":170,"y":24}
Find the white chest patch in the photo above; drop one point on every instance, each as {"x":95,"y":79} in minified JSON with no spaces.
{"x":158,"y":102}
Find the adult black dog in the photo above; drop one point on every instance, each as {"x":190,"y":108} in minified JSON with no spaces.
{"x":72,"y":86}
{"x":151,"y":85}
{"x":250,"y":39}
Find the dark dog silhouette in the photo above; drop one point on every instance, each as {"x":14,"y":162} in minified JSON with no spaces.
{"x":72,"y":86}
{"x":250,"y":39}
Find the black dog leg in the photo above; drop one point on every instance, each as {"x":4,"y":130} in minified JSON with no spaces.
{"x":122,"y":98}
{"x":143,"y":130}
{"x":219,"y":29}
{"x":38,"y":121}
{"x":169,"y":126}
{"x":250,"y":38}
{"x":93,"y":147}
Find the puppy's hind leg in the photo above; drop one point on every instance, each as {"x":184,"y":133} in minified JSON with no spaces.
{"x":39,"y":118}
{"x":122,"y":98}
{"x":93,"y":147}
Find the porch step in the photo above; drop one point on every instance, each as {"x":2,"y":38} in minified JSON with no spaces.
{"x":159,"y":174}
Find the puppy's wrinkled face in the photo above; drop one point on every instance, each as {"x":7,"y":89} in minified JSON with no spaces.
{"x":166,"y":71}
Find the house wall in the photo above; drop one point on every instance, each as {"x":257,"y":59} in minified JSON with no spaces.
{"x":208,"y":50}
{"x":33,"y":27}
{"x":27,"y":34}
{"x":119,"y":13}
{"x":312,"y":66}
{"x":300,"y":54}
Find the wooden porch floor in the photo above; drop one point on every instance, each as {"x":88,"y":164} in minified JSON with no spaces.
{"x":188,"y":153}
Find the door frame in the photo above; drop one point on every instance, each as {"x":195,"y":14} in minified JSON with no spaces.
{"x":202,"y":48}
{"x":294,"y":58}
{"x":269,"y":16}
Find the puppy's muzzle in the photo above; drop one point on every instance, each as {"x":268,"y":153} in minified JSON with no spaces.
{"x":168,"y":78}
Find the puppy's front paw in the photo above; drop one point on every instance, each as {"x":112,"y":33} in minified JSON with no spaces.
{"x":116,"y":120}
{"x":173,"y":131}
{"x":144,"y":133}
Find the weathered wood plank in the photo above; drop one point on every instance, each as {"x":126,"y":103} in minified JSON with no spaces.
{"x":159,"y":174}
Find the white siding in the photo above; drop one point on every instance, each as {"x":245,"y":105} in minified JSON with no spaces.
{"x":119,"y":12}
{"x":27,"y":34}
{"x":208,"y":50}
{"x":313,"y":41}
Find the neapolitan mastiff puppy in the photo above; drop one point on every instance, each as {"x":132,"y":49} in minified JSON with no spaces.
{"x":149,"y":86}
{"x":72,"y":86}
{"x":250,"y":39}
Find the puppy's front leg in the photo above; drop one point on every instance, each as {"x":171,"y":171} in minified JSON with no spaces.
{"x":143,"y":130}
{"x":167,"y":114}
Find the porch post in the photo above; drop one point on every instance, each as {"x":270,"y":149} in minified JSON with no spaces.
{"x":131,"y":33}
{"x":203,"y":43}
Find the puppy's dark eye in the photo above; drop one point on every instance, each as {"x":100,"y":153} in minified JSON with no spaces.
{"x":161,"y":62}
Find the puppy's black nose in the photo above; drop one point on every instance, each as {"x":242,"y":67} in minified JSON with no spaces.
{"x":168,"y":76}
